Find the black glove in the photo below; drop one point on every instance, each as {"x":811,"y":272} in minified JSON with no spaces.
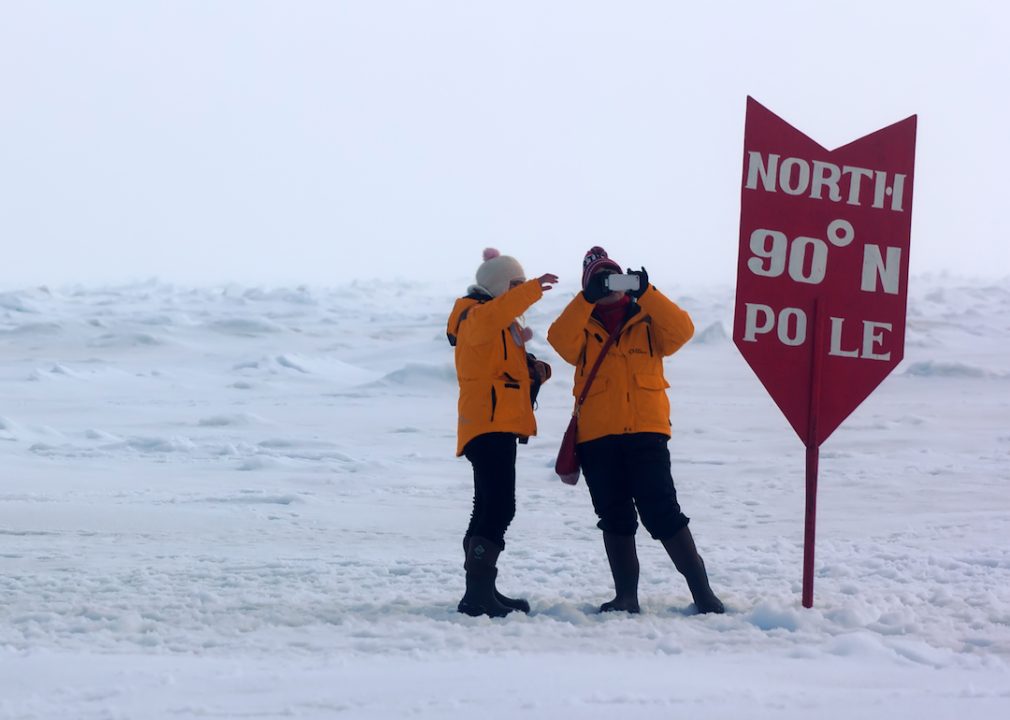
{"x":596,"y":288}
{"x":643,"y":283}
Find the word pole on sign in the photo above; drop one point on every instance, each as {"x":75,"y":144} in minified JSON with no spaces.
{"x":822,"y":276}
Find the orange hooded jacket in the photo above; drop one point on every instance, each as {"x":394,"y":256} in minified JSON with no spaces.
{"x":629,"y":392}
{"x":494,"y":381}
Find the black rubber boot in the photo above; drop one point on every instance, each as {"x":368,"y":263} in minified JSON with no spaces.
{"x":624,"y":565}
{"x":519,"y":604}
{"x":480,"y":576}
{"x":684,"y":554}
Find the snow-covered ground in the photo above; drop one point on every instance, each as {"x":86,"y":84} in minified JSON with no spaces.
{"x":236,"y":502}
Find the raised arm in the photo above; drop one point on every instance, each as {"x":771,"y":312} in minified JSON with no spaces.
{"x":495,"y":315}
{"x":566,"y":334}
{"x":673,"y":325}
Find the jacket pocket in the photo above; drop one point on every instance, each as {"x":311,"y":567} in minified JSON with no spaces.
{"x":508,"y":401}
{"x":652,"y":405}
{"x":599,"y":385}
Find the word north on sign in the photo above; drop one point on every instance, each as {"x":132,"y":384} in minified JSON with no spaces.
{"x":823,"y":266}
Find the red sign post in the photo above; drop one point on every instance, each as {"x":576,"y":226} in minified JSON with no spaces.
{"x":822,"y":275}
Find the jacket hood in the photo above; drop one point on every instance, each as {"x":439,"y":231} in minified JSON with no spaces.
{"x":459,"y":311}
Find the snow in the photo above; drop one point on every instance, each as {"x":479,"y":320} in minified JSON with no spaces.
{"x":236,"y":501}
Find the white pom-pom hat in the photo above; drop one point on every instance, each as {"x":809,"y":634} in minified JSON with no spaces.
{"x":497,"y":272}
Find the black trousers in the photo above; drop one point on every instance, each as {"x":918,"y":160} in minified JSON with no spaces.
{"x":629,"y":472}
{"x":493,"y":456}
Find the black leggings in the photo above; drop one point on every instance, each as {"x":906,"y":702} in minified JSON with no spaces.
{"x":625,"y":472}
{"x":493,"y":456}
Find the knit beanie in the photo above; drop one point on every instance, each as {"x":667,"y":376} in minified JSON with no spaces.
{"x":595,"y":259}
{"x":497,"y":272}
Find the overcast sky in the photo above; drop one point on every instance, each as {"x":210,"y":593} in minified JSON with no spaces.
{"x":305,"y":142}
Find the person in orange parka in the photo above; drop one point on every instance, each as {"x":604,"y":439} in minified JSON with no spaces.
{"x":624,"y":423}
{"x":498,"y":381}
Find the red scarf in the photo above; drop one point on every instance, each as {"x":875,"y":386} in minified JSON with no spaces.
{"x":612,"y":315}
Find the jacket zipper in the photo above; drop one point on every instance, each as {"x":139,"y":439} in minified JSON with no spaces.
{"x":585,"y":353}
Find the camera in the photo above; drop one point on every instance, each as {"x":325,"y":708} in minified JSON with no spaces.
{"x":616,"y":282}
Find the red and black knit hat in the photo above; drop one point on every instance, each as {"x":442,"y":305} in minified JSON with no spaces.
{"x":595,"y":259}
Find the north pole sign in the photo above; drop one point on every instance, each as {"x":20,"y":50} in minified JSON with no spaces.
{"x":822,"y":273}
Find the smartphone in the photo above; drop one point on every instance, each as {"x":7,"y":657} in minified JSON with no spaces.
{"x":617,"y":282}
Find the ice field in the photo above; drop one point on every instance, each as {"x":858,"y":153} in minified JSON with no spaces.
{"x":244,"y":502}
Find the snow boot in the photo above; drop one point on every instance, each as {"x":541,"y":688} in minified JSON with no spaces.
{"x":519,"y":604}
{"x":480,"y":576}
{"x":684,"y":554}
{"x":624,"y":565}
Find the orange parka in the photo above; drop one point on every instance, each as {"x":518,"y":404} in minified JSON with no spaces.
{"x":494,"y":381}
{"x":629,"y":392}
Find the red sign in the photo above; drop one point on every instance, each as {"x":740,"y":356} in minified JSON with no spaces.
{"x":823,"y":268}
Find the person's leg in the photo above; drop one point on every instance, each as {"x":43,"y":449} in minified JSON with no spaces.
{"x":623,"y":558}
{"x":478,"y":506}
{"x":656,"y":500}
{"x":686,"y":559}
{"x":612,"y":499}
{"x":493,"y":457}
{"x":520,"y":604}
{"x":479,"y":599}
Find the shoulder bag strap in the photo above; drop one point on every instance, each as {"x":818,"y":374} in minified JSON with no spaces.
{"x":596,"y":366}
